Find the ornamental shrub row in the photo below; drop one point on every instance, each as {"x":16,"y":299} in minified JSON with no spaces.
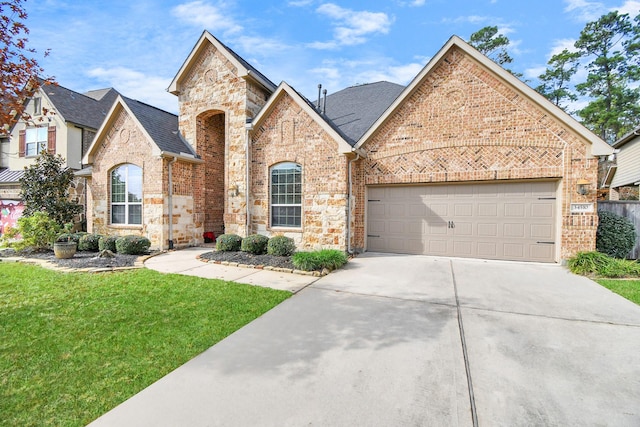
{"x":256,"y":244}
{"x":130,"y":245}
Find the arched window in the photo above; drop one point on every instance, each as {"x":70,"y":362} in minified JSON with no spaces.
{"x":126,"y":195}
{"x":286,"y":195}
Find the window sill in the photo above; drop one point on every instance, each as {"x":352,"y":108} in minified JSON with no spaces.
{"x":127,"y":226}
{"x":286,"y":229}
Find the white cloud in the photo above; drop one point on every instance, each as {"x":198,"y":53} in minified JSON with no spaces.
{"x":351,"y":27}
{"x":300,"y":3}
{"x":214,"y":18}
{"x":560,"y":45}
{"x":136,"y":85}
{"x":418,"y":3}
{"x":584,"y":10}
{"x":631,"y":7}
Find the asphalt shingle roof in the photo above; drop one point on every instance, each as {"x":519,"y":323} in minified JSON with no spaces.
{"x":354,"y":110}
{"x":87,"y":110}
{"x":160,"y":125}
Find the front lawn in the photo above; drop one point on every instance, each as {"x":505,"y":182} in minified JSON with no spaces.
{"x":74,"y":345}
{"x":630,"y":289}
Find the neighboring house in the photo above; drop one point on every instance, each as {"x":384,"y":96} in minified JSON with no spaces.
{"x":622,"y":175}
{"x":61,"y":121}
{"x":465,"y":161}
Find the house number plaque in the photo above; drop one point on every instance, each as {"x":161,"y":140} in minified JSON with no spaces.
{"x":581,"y":208}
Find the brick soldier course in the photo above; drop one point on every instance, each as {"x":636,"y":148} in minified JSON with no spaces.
{"x":463,"y":119}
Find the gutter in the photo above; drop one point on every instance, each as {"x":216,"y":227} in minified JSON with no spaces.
{"x":349,"y":250}
{"x":185,"y":157}
{"x":170,"y":201}
{"x":248,"y":127}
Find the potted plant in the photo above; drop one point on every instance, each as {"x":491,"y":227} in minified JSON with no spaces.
{"x":64,"y":246}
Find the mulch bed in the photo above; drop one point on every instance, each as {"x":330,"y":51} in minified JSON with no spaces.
{"x":249,"y":259}
{"x":80,"y":260}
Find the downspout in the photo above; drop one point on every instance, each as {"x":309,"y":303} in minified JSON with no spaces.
{"x":349,"y":250}
{"x":248,"y":127}
{"x":170,"y":201}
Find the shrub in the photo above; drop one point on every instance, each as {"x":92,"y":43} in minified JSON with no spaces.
{"x":89,"y":242}
{"x":228,"y":242}
{"x":616,"y":235}
{"x":255,"y":244}
{"x":330,"y":259}
{"x":281,"y":246}
{"x":38,"y":232}
{"x":107,"y":242}
{"x":132,"y":245}
{"x":599,"y":264}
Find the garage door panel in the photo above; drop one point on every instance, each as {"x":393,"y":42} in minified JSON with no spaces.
{"x":513,"y":221}
{"x":488,"y":209}
{"x":542,"y":210}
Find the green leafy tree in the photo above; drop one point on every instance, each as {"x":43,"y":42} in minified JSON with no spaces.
{"x":555,"y":81}
{"x":45,"y":188}
{"x":611,"y":45}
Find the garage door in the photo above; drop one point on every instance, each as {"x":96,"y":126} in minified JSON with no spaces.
{"x":509,"y":221}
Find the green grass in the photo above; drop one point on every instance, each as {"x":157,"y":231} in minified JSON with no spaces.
{"x":74,"y":345}
{"x":630,"y":289}
{"x":331,"y":259}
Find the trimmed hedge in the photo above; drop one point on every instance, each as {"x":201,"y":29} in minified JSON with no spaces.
{"x":107,"y":242}
{"x":330,"y":259}
{"x":255,"y":244}
{"x":616,"y":235}
{"x":281,"y":246}
{"x":228,"y":242}
{"x":132,"y":245}
{"x":89,"y":242}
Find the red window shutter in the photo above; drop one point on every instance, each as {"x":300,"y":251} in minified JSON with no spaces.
{"x":22,"y":143}
{"x":51,"y":140}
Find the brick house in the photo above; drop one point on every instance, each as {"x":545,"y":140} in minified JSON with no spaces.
{"x":464,"y":161}
{"x":63,"y":122}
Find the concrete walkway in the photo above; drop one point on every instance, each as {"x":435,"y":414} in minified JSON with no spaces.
{"x":396,"y":340}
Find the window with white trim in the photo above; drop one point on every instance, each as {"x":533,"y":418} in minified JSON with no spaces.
{"x":126,"y":195}
{"x":286,"y":195}
{"x":36,"y":140}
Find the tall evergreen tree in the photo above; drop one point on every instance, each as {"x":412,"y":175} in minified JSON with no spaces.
{"x":611,"y":45}
{"x":556,"y":85}
{"x":488,"y":42}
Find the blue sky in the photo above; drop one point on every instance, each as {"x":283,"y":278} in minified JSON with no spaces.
{"x":138,"y":46}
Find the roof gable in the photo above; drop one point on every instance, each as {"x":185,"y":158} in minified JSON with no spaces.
{"x":245,"y":70}
{"x":158,"y":126}
{"x":598,"y":146}
{"x":309,"y":109}
{"x":74,"y":107}
{"x":354,"y":109}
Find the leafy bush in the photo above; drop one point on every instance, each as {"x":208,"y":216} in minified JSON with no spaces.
{"x":107,"y":242}
{"x":330,"y":259}
{"x":255,"y":244}
{"x":70,"y":237}
{"x":89,"y":242}
{"x":38,"y":232}
{"x":599,"y":264}
{"x":616,"y":235}
{"x":281,"y":246}
{"x":132,"y":245}
{"x":228,"y":242}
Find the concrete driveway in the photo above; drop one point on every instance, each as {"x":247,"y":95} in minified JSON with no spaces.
{"x":396,"y":340}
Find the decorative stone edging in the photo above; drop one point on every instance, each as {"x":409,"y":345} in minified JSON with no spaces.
{"x":139,"y":263}
{"x":324,"y":272}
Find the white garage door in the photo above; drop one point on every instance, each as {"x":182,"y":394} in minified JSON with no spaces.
{"x":509,"y":221}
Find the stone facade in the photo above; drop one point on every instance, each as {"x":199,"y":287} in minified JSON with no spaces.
{"x":214,"y":106}
{"x":290,"y":135}
{"x":463,"y":124}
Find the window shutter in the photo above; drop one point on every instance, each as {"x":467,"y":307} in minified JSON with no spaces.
{"x":51,"y":140}
{"x":22,"y":143}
